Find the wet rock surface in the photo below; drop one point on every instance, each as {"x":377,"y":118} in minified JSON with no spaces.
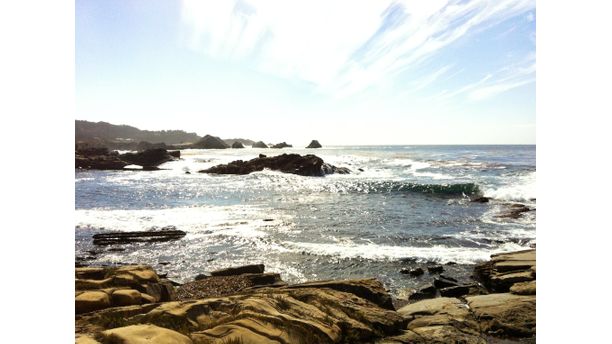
{"x":131,"y":237}
{"x":305,"y":165}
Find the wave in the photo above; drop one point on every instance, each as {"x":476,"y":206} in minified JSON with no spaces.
{"x":522,"y":189}
{"x":459,"y":189}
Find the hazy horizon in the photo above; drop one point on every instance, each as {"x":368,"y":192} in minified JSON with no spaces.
{"x":383,"y":73}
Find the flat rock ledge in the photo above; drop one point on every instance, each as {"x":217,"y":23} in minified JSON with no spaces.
{"x":304,"y":165}
{"x":506,"y":269}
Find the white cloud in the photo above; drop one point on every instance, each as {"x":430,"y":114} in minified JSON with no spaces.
{"x":342,"y":47}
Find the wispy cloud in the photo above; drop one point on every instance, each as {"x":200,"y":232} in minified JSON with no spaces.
{"x":342,"y":47}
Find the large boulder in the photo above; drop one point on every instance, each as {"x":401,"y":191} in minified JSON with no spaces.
{"x":237,"y":144}
{"x":307,"y":165}
{"x":505,"y":314}
{"x":314,"y":144}
{"x":148,"y":158}
{"x":210,"y":142}
{"x":259,"y":144}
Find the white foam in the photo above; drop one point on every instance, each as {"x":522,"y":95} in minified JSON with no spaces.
{"x":438,"y":253}
{"x":522,"y":189}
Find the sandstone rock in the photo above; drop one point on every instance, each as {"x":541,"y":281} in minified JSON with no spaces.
{"x":239,"y":270}
{"x":143,"y":334}
{"x":90,"y":273}
{"x":441,"y":320}
{"x":307,"y":165}
{"x":505,"y":269}
{"x":444,"y":283}
{"x":126,"y":297}
{"x":505,"y":314}
{"x":524,"y":288}
{"x":84,"y":284}
{"x":426,"y":292}
{"x":259,"y":144}
{"x":314,"y":144}
{"x":85,"y":340}
{"x":210,"y":142}
{"x":90,"y":301}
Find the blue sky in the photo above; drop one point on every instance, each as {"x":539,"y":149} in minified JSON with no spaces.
{"x":371,"y":72}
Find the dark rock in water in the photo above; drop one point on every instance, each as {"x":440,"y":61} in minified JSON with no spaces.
{"x":360,"y":169}
{"x":263,"y":156}
{"x":176,"y":153}
{"x":444,"y":283}
{"x":426,"y":292}
{"x":448,"y":278}
{"x":413,"y":272}
{"x":314,"y":144}
{"x":436,"y":269}
{"x":259,"y":144}
{"x":187,"y":172}
{"x":456,"y":291}
{"x":514,"y":212}
{"x":201,"y":277}
{"x":210,"y":142}
{"x":282,"y":145}
{"x":129,"y":237}
{"x":97,"y":158}
{"x":307,"y":165}
{"x":237,"y":144}
{"x":148,"y":158}
{"x":451,"y":263}
{"x":246,"y":269}
{"x":480,"y":199}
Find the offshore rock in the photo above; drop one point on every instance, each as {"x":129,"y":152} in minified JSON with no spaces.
{"x":314,"y":144}
{"x":237,"y":144}
{"x":148,"y":158}
{"x":210,"y":142}
{"x":307,"y":165}
{"x":259,"y":144}
{"x":282,"y":145}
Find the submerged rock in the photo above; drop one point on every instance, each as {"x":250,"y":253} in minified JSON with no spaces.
{"x":307,"y":165}
{"x":314,"y":144}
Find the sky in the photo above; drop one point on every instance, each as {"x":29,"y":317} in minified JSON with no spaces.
{"x":341,"y":72}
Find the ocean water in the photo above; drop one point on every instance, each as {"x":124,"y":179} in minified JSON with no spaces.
{"x":407,"y":206}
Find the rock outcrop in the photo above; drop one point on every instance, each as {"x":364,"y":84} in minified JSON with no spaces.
{"x":505,"y":269}
{"x":100,"y":158}
{"x":259,"y":144}
{"x":103,"y":287}
{"x":130,"y":237}
{"x":307,"y":165}
{"x":308,"y":314}
{"x":210,"y":142}
{"x":314,"y":144}
{"x":237,"y":144}
{"x":282,"y":145}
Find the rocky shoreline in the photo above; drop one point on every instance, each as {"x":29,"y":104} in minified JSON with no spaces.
{"x":133,"y":304}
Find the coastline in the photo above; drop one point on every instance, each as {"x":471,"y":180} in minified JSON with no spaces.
{"x":123,"y":304}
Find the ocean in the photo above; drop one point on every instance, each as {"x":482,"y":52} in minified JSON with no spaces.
{"x":401,"y":207}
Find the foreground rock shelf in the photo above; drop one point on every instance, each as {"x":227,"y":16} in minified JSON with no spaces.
{"x":131,"y":304}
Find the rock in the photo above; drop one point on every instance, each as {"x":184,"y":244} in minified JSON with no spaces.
{"x":263,"y":156}
{"x":441,"y":320}
{"x":126,"y":297}
{"x":455,"y":291}
{"x":481,"y":199}
{"x":85,"y":340}
{"x":200,"y":277}
{"x":370,"y":289}
{"x":97,"y":158}
{"x":90,"y":272}
{"x":130,"y":237}
{"x":210,"y":142}
{"x":237,"y":144}
{"x":506,"y":269}
{"x":426,"y":292}
{"x":436,"y":269}
{"x":314,"y":144}
{"x":259,"y":144}
{"x":514,"y":212}
{"x":90,"y":301}
{"x":413,"y":272}
{"x":144,"y":145}
{"x":524,"y":288}
{"x":282,"y":145}
{"x":443,"y":283}
{"x":307,"y":165}
{"x":148,"y":158}
{"x":246,"y":269}
{"x":306,"y":314}
{"x":143,"y":334}
{"x":175,"y":154}
{"x":505,"y":314}
{"x":216,"y":286}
